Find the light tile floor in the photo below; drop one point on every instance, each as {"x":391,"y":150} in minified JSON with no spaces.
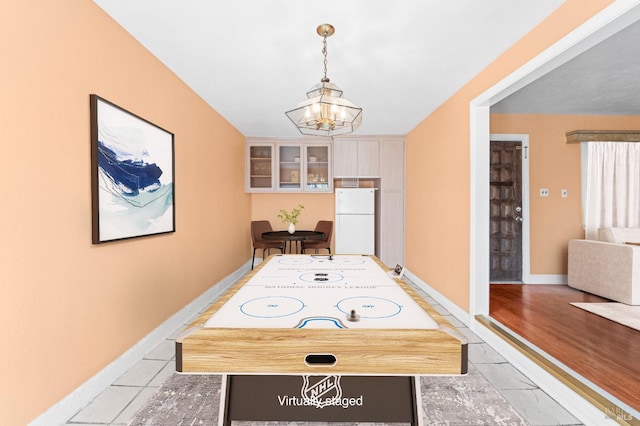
{"x":120,"y":401}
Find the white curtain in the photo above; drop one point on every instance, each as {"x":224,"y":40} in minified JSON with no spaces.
{"x":613,"y":186}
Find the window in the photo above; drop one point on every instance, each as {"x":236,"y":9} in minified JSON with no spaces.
{"x":610,"y":185}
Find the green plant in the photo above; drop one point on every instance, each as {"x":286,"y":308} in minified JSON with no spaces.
{"x":292,"y":217}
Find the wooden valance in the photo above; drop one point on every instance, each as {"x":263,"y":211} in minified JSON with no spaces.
{"x":603,"y":136}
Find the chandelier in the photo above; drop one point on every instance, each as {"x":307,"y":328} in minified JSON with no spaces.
{"x":325,"y":112}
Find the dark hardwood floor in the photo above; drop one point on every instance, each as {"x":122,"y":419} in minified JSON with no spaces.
{"x":602,"y":351}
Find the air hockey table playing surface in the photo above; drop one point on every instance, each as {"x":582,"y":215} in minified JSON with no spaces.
{"x":318,"y":314}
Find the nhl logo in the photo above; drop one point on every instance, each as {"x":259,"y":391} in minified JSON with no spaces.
{"x":321,"y":391}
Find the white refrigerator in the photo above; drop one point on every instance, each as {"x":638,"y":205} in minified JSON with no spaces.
{"x":355,"y":221}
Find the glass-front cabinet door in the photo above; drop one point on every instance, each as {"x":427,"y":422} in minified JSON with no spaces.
{"x":289,"y":167}
{"x":260,"y":164}
{"x":318,"y":168}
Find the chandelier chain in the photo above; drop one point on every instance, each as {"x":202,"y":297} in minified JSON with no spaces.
{"x":324,"y":53}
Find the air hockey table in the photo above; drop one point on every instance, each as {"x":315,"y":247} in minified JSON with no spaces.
{"x":320,"y":320}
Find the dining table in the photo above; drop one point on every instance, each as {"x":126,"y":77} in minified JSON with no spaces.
{"x":298,"y":237}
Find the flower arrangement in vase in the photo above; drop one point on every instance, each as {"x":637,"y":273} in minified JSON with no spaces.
{"x":291,"y":218}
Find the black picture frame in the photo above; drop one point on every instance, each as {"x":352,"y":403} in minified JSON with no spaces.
{"x":132,"y":174}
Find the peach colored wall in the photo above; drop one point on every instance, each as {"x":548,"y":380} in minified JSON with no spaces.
{"x":555,"y":165}
{"x":437,"y":161}
{"x":69,"y":308}
{"x":316,"y":207}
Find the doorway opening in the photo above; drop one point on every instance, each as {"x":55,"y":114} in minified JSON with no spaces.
{"x":614,"y":17}
{"x":509,"y":208}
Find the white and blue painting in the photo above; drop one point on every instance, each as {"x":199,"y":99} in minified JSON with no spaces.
{"x":135,"y":175}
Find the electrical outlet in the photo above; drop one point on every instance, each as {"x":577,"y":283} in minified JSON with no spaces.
{"x":544,"y":192}
{"x":564,"y":193}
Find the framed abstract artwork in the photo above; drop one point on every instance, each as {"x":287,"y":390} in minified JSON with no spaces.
{"x":132,"y":181}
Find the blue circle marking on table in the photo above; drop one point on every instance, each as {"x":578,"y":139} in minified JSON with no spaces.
{"x":272,"y":307}
{"x":369,"y":307}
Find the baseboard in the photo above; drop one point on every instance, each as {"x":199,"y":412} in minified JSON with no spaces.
{"x":66,"y":408}
{"x":577,"y":398}
{"x":545,"y":279}
{"x":453,"y":309}
{"x":579,"y":407}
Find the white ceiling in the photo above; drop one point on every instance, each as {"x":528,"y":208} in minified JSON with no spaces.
{"x":252,"y":60}
{"x":604,"y":80}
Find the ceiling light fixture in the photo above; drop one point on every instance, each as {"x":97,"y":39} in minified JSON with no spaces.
{"x":325,"y":112}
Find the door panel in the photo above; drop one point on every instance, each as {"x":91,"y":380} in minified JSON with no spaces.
{"x":355,"y":234}
{"x":506,"y":211}
{"x":355,"y":201}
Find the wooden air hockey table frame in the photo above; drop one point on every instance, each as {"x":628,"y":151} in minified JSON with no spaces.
{"x":244,"y":351}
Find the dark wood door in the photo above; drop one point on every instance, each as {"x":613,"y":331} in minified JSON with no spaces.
{"x":506,"y":211}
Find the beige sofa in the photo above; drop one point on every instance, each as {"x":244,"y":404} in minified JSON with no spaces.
{"x":608,"y":267}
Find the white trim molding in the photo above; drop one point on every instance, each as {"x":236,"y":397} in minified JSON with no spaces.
{"x":571,"y":401}
{"x":453,"y":309}
{"x":575,"y":404}
{"x":614,"y":17}
{"x":547,"y":279}
{"x":66,"y":408}
{"x":611,"y":19}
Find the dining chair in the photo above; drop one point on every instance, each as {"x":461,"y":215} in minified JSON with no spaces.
{"x":326,"y":227}
{"x":258,"y":227}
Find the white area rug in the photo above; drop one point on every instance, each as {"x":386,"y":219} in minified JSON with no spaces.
{"x":618,"y":312}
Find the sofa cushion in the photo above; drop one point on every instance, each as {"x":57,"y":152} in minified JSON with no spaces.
{"x":607,"y":269}
{"x":619,"y":235}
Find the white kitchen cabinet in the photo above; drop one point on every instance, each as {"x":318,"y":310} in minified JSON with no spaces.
{"x":260,"y":164}
{"x":288,"y":166}
{"x":356,"y":157}
{"x":392,"y":201}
